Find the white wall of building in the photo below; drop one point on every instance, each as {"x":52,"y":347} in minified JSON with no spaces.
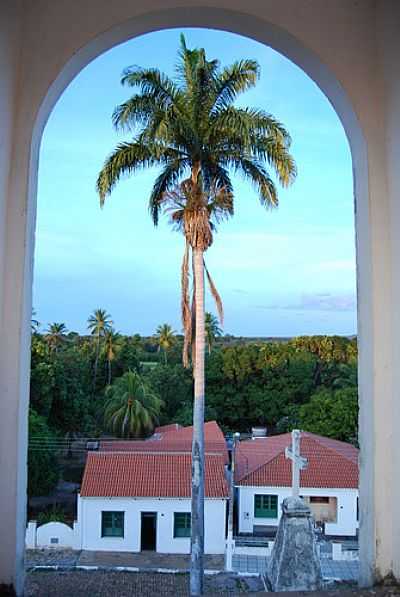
{"x":346,"y":524}
{"x":89,"y":517}
{"x":56,"y":535}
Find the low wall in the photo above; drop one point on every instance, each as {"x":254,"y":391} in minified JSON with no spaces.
{"x":52,"y":535}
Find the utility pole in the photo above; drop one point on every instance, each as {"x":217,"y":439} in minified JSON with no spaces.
{"x":229,"y":540}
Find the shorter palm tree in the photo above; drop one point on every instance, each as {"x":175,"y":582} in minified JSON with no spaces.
{"x":212,"y":330}
{"x":55,"y":335}
{"x":132,"y":408}
{"x":111,"y":346}
{"x":98,"y":324}
{"x":35,"y":324}
{"x":165,"y":338}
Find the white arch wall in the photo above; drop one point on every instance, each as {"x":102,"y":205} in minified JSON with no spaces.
{"x":351,"y":50}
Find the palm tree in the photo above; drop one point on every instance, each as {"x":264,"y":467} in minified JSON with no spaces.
{"x":98,"y":324}
{"x":35,"y":324}
{"x":190,"y":127}
{"x":212,"y":330}
{"x":165,"y":338}
{"x":55,"y":336}
{"x":132,"y":408}
{"x":112,"y":344}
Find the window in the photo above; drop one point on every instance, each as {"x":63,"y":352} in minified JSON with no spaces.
{"x":266,"y":506}
{"x":182,"y":524}
{"x":112,"y":524}
{"x":319,"y":500}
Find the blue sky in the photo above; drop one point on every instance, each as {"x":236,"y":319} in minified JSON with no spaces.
{"x":280,"y":273}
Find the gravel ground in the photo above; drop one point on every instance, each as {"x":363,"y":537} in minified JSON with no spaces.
{"x":51,"y":557}
{"x":80,"y":583}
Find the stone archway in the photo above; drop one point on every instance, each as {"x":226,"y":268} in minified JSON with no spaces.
{"x":46,"y":45}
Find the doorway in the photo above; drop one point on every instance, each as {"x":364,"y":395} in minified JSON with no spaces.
{"x":148,"y":531}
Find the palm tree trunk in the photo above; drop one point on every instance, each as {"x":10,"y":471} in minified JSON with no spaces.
{"x":109,"y":371}
{"x":197,"y":535}
{"x":96,"y":361}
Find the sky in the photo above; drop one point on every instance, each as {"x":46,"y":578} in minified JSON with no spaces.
{"x":284,"y":272}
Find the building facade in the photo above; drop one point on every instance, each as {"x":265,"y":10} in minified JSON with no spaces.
{"x":148,"y":524}
{"x":329,"y":484}
{"x":136,"y":495}
{"x":259,"y":509}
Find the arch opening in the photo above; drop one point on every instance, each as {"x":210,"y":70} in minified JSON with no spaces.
{"x":285,"y":44}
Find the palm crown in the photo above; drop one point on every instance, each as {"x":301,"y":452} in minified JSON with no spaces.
{"x":99,"y":322}
{"x":190,"y":127}
{"x":165,"y":338}
{"x":132,"y":408}
{"x":55,"y":335}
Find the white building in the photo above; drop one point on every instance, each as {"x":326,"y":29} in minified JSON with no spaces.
{"x":329,"y":484}
{"x":135,"y":496}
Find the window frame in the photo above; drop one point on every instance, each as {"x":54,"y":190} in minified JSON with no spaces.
{"x":260,"y":511}
{"x":113,"y":514}
{"x":185,"y":527}
{"x":320,"y":499}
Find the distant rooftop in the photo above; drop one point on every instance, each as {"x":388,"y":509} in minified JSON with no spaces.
{"x":262,"y":462}
{"x":172,"y":438}
{"x":146,"y":474}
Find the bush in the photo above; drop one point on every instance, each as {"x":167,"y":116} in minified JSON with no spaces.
{"x":43,"y":471}
{"x":54,"y":514}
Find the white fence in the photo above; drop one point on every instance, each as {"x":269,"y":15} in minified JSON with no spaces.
{"x":53,"y":534}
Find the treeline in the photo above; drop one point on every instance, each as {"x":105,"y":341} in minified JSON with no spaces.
{"x":306,"y":382}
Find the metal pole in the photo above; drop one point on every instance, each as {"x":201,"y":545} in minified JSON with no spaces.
{"x":296,"y":463}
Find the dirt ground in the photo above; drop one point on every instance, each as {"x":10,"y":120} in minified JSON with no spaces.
{"x":81,"y":583}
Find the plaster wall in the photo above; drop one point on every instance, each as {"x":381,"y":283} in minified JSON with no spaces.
{"x":346,"y":522}
{"x":350,"y":49}
{"x":90,"y":521}
{"x":63,"y":534}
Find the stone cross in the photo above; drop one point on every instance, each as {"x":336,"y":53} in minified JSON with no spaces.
{"x":298,"y":462}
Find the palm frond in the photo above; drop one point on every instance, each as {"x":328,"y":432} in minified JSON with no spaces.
{"x":185,"y":306}
{"x":234,"y":80}
{"x":136,"y":110}
{"x":154,"y":83}
{"x":129,"y":157}
{"x":215,"y":294}
{"x":256,"y":173}
{"x":165,"y":181}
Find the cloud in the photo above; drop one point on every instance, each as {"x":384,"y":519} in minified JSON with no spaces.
{"x":318,"y":302}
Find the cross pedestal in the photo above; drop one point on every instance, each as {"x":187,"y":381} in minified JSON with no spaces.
{"x":295,"y":563}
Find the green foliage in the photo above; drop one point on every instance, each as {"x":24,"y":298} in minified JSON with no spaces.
{"x":165,"y":339}
{"x":213,"y":330}
{"x":174,"y":385}
{"x":54,"y":514}
{"x":132,"y":408}
{"x":332,"y":413}
{"x":189,"y":124}
{"x":309,"y":383}
{"x":43,"y":471}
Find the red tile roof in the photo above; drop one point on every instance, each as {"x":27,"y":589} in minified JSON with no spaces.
{"x":331,"y":463}
{"x":172,"y":438}
{"x":134,"y":474}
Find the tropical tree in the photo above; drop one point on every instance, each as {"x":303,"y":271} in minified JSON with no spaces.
{"x":132,"y":408}
{"x":55,"y":336}
{"x":43,"y":470}
{"x":98,"y":324}
{"x":213,"y":330}
{"x":35,"y":324}
{"x":165,"y":338}
{"x":111,"y":346}
{"x":190,"y":127}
